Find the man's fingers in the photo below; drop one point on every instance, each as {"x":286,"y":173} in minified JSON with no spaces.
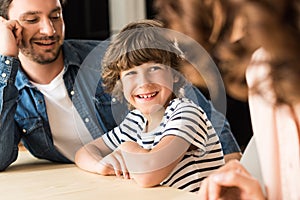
{"x":18,"y":33}
{"x":11,"y":37}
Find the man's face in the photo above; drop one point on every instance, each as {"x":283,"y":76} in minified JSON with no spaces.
{"x":43,"y":28}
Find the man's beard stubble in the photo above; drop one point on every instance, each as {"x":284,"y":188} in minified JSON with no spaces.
{"x":41,"y":58}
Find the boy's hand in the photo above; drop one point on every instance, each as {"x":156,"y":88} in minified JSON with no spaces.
{"x":11,"y":36}
{"x":114,"y":164}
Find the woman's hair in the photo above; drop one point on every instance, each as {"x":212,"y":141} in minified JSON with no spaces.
{"x":275,"y":25}
{"x":272,"y":24}
{"x":210,"y":23}
{"x":202,"y":20}
{"x":4,"y":6}
{"x":138,"y":43}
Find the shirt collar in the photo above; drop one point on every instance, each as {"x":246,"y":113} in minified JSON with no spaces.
{"x":71,"y":58}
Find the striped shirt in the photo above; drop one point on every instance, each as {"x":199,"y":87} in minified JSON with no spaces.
{"x":184,"y":119}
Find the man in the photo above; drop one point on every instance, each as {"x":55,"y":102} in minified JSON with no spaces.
{"x":45,"y":101}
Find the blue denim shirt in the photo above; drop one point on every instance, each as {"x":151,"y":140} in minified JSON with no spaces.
{"x":23,"y":111}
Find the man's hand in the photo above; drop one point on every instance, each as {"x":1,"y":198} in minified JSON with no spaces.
{"x":11,"y":36}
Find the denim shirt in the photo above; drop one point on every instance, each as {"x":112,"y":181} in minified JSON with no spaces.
{"x":23,"y":110}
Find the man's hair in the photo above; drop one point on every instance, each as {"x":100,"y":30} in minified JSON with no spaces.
{"x":138,"y":43}
{"x":4,"y":6}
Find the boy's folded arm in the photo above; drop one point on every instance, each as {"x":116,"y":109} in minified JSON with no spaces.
{"x":89,"y":156}
{"x":150,"y":167}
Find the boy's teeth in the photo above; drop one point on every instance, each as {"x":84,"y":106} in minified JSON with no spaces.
{"x":147,"y":96}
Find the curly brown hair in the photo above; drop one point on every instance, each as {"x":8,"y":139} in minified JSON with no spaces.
{"x":137,"y":43}
{"x":276,"y":27}
{"x":210,"y":23}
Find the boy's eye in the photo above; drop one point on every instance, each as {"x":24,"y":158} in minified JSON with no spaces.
{"x":154,"y":68}
{"x":130,"y":73}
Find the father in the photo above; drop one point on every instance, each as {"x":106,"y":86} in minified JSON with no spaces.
{"x":38,"y":70}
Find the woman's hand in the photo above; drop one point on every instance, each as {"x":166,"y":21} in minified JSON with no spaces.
{"x":231,"y":181}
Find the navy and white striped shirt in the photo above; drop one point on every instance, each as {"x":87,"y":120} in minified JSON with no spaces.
{"x":184,"y":119}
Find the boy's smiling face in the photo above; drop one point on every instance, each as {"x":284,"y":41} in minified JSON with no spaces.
{"x":148,"y":87}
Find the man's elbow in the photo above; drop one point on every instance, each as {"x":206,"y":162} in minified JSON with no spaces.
{"x":3,"y":167}
{"x":6,"y":162}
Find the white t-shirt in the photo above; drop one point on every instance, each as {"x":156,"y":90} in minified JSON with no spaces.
{"x":68,"y":130}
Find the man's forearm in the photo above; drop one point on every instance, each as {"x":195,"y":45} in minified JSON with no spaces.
{"x":8,"y":103}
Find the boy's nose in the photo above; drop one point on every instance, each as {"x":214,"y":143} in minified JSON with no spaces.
{"x":143,"y":79}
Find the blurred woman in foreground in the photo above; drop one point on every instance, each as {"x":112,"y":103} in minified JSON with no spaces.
{"x":274,"y":98}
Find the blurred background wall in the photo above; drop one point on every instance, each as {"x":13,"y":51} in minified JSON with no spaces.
{"x":99,"y":19}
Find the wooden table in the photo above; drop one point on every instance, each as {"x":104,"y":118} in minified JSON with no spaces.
{"x":33,"y":179}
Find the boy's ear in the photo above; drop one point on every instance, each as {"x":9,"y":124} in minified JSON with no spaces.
{"x":176,"y":78}
{"x":118,"y":91}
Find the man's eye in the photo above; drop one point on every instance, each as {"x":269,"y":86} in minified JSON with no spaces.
{"x":31,"y":21}
{"x":56,"y":16}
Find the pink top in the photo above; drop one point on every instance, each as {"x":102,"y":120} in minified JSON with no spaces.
{"x":275,"y":134}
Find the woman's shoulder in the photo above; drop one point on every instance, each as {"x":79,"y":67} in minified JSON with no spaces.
{"x":258,"y":68}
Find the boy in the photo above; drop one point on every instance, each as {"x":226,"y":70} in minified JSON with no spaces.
{"x":167,"y":139}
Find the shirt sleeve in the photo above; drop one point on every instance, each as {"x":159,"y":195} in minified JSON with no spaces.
{"x":9,"y":135}
{"x":189,"y":122}
{"x":127,"y":131}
